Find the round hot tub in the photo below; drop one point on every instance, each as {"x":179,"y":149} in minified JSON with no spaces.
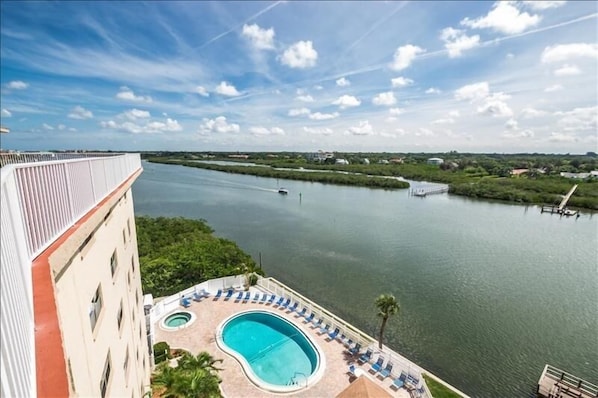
{"x":178,"y":320}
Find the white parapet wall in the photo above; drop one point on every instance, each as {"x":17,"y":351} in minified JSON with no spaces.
{"x":39,"y":202}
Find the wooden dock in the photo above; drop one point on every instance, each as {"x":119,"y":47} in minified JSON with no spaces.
{"x":561,"y":207}
{"x":556,"y":383}
{"x":424,"y":191}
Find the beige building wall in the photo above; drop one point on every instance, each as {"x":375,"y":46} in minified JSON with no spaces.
{"x":80,"y":267}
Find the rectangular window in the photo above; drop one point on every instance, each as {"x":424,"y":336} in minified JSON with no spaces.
{"x":119,"y":315}
{"x":95,"y":307}
{"x":126,"y":364}
{"x":129,"y":278}
{"x":113,"y":263}
{"x":133,"y":264}
{"x":105,"y":377}
{"x":129,"y":227}
{"x":124,"y":237}
{"x":137,"y":298}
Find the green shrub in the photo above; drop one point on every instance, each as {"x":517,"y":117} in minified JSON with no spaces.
{"x":161,"y":352}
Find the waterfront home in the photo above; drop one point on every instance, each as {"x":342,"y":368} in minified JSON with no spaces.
{"x":435,"y":161}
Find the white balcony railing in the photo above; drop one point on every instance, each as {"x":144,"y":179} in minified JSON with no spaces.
{"x":39,"y":202}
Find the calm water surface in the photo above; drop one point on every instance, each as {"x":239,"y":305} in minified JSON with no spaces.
{"x":489,"y":292}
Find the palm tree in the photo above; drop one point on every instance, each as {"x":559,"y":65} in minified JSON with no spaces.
{"x":387,"y":305}
{"x":194,"y":377}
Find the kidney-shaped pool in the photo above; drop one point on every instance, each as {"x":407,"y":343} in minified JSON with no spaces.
{"x":276,"y":355}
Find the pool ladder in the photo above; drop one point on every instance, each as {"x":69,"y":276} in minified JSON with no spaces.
{"x":293,"y":382}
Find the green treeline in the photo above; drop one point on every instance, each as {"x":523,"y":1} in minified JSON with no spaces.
{"x":324,"y":177}
{"x":177,"y":253}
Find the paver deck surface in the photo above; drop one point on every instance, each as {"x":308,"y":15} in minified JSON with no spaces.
{"x":201,"y":336}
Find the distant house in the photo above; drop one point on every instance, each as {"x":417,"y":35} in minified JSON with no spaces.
{"x":578,"y":176}
{"x":436,"y":161}
{"x":396,"y":160}
{"x":238,"y":156}
{"x":342,"y":161}
{"x":383,"y":161}
{"x":321,"y":156}
{"x":518,"y":172}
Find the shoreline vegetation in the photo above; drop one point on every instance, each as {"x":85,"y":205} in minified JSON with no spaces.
{"x":175,"y":253}
{"x":481,"y":176}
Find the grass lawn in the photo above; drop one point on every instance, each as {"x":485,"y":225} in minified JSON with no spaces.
{"x":439,"y":390}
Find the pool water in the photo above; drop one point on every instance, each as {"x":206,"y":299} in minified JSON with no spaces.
{"x":177,"y":319}
{"x":277,"y":351}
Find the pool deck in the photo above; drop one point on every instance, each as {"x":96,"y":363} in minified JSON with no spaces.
{"x":200,"y":336}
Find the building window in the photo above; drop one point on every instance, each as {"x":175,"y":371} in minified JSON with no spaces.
{"x":113,"y":263}
{"x":137,"y":298}
{"x":133,"y":264}
{"x":126,"y":363}
{"x":105,"y":377}
{"x":96,"y":307}
{"x":124,"y":237}
{"x":129,"y":227}
{"x":129,"y":278}
{"x":119,"y":315}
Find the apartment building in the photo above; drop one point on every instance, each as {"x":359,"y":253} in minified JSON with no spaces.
{"x":72,"y":319}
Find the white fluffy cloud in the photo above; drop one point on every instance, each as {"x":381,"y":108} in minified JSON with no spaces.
{"x":364,"y":128}
{"x":473,"y":91}
{"x":404,"y":56}
{"x":300,"y":55}
{"x":127,"y":94}
{"x":299,"y":111}
{"x":504,"y":17}
{"x":561,"y":137}
{"x":154,"y":127}
{"x":262,"y":39}
{"x":492,"y":104}
{"x":201,"y":90}
{"x":386,"y":99}
{"x":342,"y":82}
{"x":456,"y":41}
{"x":579,"y":119}
{"x":444,"y":121}
{"x":227,"y":89}
{"x":512,"y":124}
{"x":47,"y":126}
{"x":318,"y":130}
{"x":135,"y":114}
{"x":80,"y":113}
{"x":530,"y":113}
{"x":218,"y":125}
{"x":553,"y":88}
{"x":564,"y":52}
{"x":304,"y":98}
{"x":567,"y":70}
{"x":495,"y":105}
{"x":401,"y":81}
{"x":17,"y":85}
{"x":262,"y":131}
{"x":454,"y":113}
{"x":396,"y":111}
{"x":433,"y":90}
{"x":5,"y":113}
{"x":346,"y":101}
{"x":539,"y":5}
{"x":323,"y":116}
{"x":516,"y":134}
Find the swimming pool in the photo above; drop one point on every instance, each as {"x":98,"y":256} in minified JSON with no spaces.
{"x":275,"y":354}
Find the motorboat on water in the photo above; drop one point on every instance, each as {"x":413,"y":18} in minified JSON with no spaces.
{"x":283,"y":191}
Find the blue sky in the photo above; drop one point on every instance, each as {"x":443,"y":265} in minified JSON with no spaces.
{"x":300,"y":76}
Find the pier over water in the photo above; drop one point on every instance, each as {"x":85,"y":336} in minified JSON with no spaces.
{"x":556,"y":383}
